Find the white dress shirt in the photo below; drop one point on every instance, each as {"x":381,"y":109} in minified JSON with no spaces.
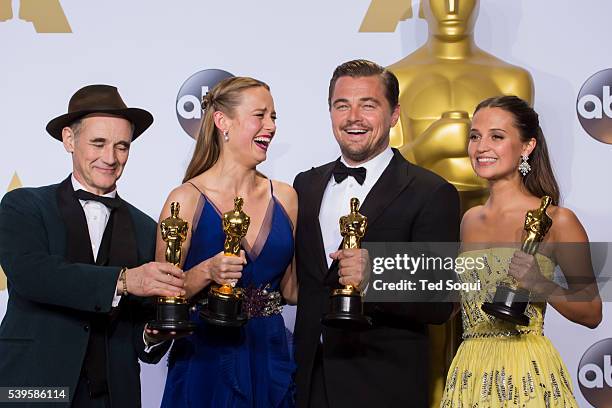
{"x":97,"y":215}
{"x":337,"y":198}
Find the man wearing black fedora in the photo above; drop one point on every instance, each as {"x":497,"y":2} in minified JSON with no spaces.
{"x":76,"y":257}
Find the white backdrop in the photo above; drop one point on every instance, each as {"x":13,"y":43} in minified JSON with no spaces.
{"x":149,"y":48}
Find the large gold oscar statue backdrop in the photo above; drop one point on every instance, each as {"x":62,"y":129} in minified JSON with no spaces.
{"x":47,"y":16}
{"x":440,"y":85}
{"x":15,"y":183}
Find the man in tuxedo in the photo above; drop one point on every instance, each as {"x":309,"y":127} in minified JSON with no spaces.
{"x":77,"y":261}
{"x":386,"y":365}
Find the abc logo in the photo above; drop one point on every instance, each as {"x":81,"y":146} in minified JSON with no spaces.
{"x":189,"y":98}
{"x":594,"y":106}
{"x":595,"y":374}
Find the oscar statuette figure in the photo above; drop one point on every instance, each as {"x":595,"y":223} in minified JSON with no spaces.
{"x":346,"y":305}
{"x":172,"y":313}
{"x":509,"y":302}
{"x":224,"y":304}
{"x":441,"y":83}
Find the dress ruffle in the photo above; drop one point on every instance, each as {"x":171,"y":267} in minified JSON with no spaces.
{"x":517,"y":371}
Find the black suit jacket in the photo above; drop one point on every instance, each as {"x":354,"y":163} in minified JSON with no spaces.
{"x":45,"y":332}
{"x":387,"y":365}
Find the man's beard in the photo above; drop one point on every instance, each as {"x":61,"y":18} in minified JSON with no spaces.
{"x":360,"y":155}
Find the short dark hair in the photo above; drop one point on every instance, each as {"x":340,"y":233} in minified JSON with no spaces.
{"x":364,"y":68}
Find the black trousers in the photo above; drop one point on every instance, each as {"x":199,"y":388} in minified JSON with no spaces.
{"x":82,"y":399}
{"x":318,"y":391}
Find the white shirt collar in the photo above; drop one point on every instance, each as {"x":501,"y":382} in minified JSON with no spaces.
{"x":376,"y":165}
{"x":78,"y":186}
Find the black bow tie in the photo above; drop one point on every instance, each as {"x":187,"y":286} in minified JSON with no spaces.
{"x":110,"y":202}
{"x":341,"y":172}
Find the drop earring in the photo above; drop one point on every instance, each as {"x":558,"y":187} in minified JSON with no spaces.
{"x":225,"y":136}
{"x":524,"y":166}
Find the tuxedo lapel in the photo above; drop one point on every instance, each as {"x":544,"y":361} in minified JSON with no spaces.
{"x":394,"y":179}
{"x":314,"y":196}
{"x":123,"y":246}
{"x":118,"y":246}
{"x":78,"y":244}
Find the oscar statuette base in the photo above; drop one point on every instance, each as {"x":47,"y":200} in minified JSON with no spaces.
{"x":509,"y":304}
{"x":172,"y":316}
{"x":223,"y":309}
{"x":346,"y":311}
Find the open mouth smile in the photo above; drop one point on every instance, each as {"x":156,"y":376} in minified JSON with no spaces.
{"x":263,"y":142}
{"x":356,"y":132}
{"x":486,"y":161}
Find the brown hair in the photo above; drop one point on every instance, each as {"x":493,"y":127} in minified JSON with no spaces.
{"x":540,"y":181}
{"x":224,"y":97}
{"x":364,"y":68}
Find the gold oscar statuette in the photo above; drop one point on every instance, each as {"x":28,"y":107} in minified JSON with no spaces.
{"x":173,"y":312}
{"x":224,"y":304}
{"x":441,"y":83}
{"x":510,"y":302}
{"x":346,"y":305}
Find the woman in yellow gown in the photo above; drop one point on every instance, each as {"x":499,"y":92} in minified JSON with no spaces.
{"x":501,"y":364}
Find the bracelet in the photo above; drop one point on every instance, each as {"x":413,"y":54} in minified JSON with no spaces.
{"x":123,"y":279}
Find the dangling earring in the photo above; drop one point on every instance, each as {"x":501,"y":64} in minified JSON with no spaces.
{"x":225,"y":136}
{"x":524,"y":167}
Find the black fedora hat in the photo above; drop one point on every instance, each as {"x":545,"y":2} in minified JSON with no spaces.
{"x":99,"y":99}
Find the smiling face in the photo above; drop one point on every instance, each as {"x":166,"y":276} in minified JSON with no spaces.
{"x":361,"y":117}
{"x":495,"y":145}
{"x":251,"y":126}
{"x":100,"y":150}
{"x":452,"y":19}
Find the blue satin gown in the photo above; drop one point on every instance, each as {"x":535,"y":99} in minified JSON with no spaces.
{"x":245,"y":367}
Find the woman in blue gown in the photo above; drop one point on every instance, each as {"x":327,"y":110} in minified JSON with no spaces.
{"x":250,"y":366}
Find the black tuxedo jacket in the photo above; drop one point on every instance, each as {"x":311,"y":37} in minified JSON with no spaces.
{"x":387,"y":365}
{"x":52,"y":302}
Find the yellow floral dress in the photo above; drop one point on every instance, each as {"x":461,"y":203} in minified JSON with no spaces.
{"x":500,"y":364}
